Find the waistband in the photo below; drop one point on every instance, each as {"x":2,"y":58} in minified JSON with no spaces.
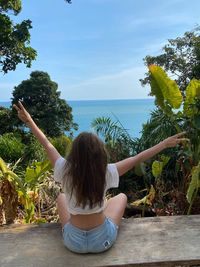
{"x":98,"y":228}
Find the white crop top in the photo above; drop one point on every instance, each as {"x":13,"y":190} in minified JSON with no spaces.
{"x":112,"y":180}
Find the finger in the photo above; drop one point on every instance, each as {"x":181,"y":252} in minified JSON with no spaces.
{"x":180,"y":134}
{"x":16,"y":107}
{"x":183,"y":140}
{"x":21,"y":106}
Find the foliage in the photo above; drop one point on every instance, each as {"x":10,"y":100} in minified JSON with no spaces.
{"x":180,"y":58}
{"x":148,"y":199}
{"x":166,"y":90}
{"x":157,"y":166}
{"x":14,"y":38}
{"x":194,"y":184}
{"x":9,"y":182}
{"x":116,"y":138}
{"x":35,"y":173}
{"x":42,"y":99}
{"x":5,"y":118}
{"x":156,"y":129}
{"x":33,"y":151}
{"x":62,"y":144}
{"x":189,"y":115}
{"x":22,"y":189}
{"x":11,"y":147}
{"x":6,"y":5}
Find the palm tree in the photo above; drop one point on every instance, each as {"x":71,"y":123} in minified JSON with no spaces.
{"x":118,"y":141}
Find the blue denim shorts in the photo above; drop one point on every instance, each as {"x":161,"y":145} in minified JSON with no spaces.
{"x":96,"y":240}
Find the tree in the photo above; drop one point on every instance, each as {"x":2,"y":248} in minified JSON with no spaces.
{"x":14,"y":38}
{"x":5,"y":118}
{"x":181,"y":59}
{"x":40,"y":96}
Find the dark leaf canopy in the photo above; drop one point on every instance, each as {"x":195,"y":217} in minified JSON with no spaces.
{"x":41,"y":97}
{"x":180,"y":59}
{"x":14,"y":38}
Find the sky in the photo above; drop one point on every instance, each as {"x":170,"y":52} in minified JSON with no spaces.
{"x":94,"y":49}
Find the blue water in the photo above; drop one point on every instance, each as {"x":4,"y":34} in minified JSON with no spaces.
{"x":131,"y":113}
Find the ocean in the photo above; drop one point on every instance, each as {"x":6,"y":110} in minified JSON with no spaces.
{"x":131,"y":113}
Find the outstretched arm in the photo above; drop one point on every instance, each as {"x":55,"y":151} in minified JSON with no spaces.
{"x":125,"y":165}
{"x":51,"y":151}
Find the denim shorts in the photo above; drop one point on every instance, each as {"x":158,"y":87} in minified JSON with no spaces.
{"x":96,"y":240}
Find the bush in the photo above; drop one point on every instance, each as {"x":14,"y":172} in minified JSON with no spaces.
{"x":11,"y":147}
{"x":62,"y":144}
{"x":34,"y":151}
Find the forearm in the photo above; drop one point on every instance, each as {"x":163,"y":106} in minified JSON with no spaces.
{"x":149,"y":153}
{"x":127,"y":164}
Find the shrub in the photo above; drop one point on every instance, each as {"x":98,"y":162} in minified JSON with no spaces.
{"x":62,"y":144}
{"x":11,"y":147}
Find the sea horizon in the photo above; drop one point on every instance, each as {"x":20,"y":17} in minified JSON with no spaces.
{"x":130,"y":113}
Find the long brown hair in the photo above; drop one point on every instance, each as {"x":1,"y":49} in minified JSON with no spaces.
{"x":86,"y":169}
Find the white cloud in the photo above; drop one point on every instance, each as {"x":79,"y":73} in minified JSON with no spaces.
{"x":122,"y":85}
{"x":132,"y":23}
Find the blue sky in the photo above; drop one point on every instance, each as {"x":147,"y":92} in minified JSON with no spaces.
{"x":94,"y":49}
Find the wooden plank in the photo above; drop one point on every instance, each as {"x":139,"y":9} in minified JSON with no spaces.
{"x":157,"y":241}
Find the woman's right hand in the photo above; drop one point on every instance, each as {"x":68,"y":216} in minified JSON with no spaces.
{"x":22,"y":113}
{"x":174,"y":140}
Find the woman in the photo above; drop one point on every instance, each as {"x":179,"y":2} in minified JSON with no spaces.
{"x":89,"y":224}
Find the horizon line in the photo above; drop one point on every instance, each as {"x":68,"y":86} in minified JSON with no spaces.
{"x":109,"y":99}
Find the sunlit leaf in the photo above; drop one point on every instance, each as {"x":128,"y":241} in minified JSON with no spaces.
{"x":34,"y":172}
{"x":164,"y":89}
{"x":195,"y":182}
{"x":192,"y":92}
{"x":3,"y":166}
{"x":157,"y":168}
{"x":148,"y":199}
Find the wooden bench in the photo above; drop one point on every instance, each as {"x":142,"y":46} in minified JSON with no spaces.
{"x":155,"y":241}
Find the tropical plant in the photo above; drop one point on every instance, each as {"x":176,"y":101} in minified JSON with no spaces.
{"x":9,"y":184}
{"x":34,"y":177}
{"x":62,"y":144}
{"x":156,"y":129}
{"x":22,"y":189}
{"x":180,"y":59}
{"x":118,"y":141}
{"x":169,"y":98}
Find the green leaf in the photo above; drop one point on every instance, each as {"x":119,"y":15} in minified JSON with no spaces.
{"x":195,"y":182}
{"x":164,"y":159}
{"x":3,"y":166}
{"x":157,"y":168}
{"x":192,"y":92}
{"x":36,"y":171}
{"x":164,"y":89}
{"x":197,"y":122}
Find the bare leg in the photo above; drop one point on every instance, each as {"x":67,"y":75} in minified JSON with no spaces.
{"x":115,"y":208}
{"x":62,"y":209}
